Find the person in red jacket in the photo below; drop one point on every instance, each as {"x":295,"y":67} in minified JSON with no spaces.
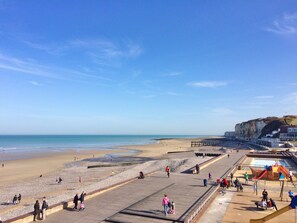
{"x":167,"y":169}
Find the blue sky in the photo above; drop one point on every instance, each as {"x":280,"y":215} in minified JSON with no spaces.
{"x":145,"y":67}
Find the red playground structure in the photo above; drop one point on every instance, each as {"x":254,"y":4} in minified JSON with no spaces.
{"x":275,"y":172}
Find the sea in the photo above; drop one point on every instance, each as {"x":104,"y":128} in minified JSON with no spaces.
{"x":53,"y":143}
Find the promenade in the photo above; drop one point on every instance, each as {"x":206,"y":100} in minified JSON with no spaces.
{"x":140,"y":200}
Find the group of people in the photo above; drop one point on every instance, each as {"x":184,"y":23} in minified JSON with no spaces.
{"x":265,"y":202}
{"x":169,"y":207}
{"x":17,"y":199}
{"x":76,"y":199}
{"x":59,"y":180}
{"x":40,"y":213}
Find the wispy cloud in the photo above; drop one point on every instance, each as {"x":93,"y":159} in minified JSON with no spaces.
{"x":107,"y":49}
{"x":291,"y":98}
{"x":173,"y":93}
{"x":285,"y":25}
{"x":53,"y":49}
{"x":99,"y":51}
{"x":208,"y":84}
{"x":34,"y":83}
{"x":222,"y":111}
{"x":30,"y":67}
{"x":264,"y":97}
{"x":173,"y":74}
{"x":149,"y":96}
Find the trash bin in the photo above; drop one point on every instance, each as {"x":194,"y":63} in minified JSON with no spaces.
{"x":205,"y":182}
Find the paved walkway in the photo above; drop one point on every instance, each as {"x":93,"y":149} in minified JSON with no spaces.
{"x":140,"y":201}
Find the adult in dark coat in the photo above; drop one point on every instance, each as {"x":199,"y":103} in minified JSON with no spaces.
{"x":19,"y":198}
{"x":36,"y":210}
{"x":44,"y":206}
{"x":14,"y":200}
{"x":265,"y":195}
{"x":82,"y":197}
{"x":75,"y":201}
{"x":273,"y":204}
{"x":197,"y":168}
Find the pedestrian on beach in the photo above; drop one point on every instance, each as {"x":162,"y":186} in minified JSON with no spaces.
{"x":172,"y":208}
{"x":19,"y":198}
{"x":167,"y":169}
{"x":15,"y":199}
{"x":165,"y":203}
{"x":197,"y":168}
{"x":141,"y":175}
{"x":60,"y":180}
{"x":36,"y":210}
{"x":209,"y":176}
{"x":273,"y":204}
{"x":265,"y":195}
{"x":75,"y":201}
{"x":44,"y":207}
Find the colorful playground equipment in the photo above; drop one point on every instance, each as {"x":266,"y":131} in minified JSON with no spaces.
{"x":271,"y":173}
{"x":292,"y":205}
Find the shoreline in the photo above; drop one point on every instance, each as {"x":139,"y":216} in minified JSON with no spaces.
{"x":23,"y":175}
{"x":25,"y":166}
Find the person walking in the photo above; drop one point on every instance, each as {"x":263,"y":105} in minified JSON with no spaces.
{"x":167,"y":169}
{"x":231,"y":176}
{"x":36,"y":210}
{"x":82,"y":197}
{"x":44,"y":207}
{"x":14,"y":200}
{"x":82,"y":201}
{"x":209,"y":176}
{"x":19,"y":198}
{"x":197,"y":168}
{"x":75,"y":201}
{"x":236,"y":184}
{"x":165,"y":203}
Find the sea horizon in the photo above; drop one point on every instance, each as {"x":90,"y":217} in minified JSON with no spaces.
{"x":42,"y":143}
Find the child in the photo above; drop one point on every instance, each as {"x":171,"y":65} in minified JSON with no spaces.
{"x":82,"y":206}
{"x":172,"y":208}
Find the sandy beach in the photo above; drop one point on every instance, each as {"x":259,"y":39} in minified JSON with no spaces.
{"x":23,"y":175}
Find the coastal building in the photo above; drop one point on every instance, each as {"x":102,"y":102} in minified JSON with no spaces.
{"x":270,"y":142}
{"x":288,"y":133}
{"x":230,"y":134}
